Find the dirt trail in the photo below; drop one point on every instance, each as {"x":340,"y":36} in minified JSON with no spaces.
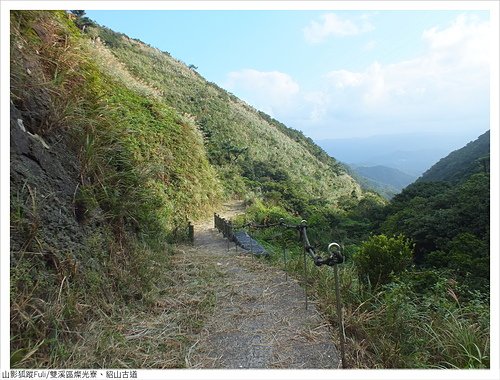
{"x":259,"y":319}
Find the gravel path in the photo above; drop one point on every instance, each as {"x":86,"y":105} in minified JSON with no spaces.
{"x":259,"y":319}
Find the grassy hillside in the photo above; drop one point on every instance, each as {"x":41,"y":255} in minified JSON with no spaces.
{"x":461,"y":163}
{"x":100,"y":184}
{"x":114,"y":147}
{"x":250,"y":150}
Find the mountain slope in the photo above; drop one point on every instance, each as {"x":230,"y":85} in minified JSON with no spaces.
{"x":248,"y":148}
{"x":99,"y":188}
{"x":114,"y":147}
{"x":461,"y":163}
{"x":446,"y":213}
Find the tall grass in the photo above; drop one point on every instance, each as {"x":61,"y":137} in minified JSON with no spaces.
{"x":136,"y":191}
{"x":395,"y":327}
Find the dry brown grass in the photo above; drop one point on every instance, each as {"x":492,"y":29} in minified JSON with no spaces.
{"x":159,"y":334}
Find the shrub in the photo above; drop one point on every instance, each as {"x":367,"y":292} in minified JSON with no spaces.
{"x":380,"y":257}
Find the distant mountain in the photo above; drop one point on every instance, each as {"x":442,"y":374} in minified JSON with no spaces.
{"x":410,"y":153}
{"x":381,"y":179}
{"x":386,"y":191}
{"x":461,"y":163}
{"x":386,"y":175}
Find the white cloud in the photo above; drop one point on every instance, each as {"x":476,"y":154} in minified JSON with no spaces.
{"x":370,"y":45}
{"x":466,"y":41}
{"x":270,"y":91}
{"x":450,"y":81}
{"x":330,"y":24}
{"x":369,"y":88}
{"x":446,"y":87}
{"x":316,"y":104}
{"x":345,"y":78}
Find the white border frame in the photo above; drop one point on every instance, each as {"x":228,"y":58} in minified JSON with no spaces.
{"x":492,"y":6}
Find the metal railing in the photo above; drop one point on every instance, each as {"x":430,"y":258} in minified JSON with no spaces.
{"x":333,"y":258}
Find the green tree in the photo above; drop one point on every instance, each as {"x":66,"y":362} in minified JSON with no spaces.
{"x":81,"y":20}
{"x":380,"y":257}
{"x":469,"y":259}
{"x":78,"y":13}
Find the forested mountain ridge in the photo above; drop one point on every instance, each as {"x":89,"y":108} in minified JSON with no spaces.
{"x":461,"y":163}
{"x":446,"y":213}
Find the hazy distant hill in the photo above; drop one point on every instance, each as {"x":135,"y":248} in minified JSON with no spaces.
{"x":387,"y":175}
{"x":461,"y":163}
{"x":381,"y":179}
{"x":410,"y":153}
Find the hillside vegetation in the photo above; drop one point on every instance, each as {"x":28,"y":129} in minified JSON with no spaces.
{"x":114,"y":147}
{"x":446,"y":214}
{"x":461,"y":163}
{"x":415,"y":284}
{"x":100,"y":184}
{"x":250,"y":150}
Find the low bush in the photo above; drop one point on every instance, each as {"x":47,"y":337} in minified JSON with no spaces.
{"x":380,"y":257}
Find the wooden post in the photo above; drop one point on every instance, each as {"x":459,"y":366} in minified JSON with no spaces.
{"x":331,"y":246}
{"x":284,"y":261}
{"x":191,"y":232}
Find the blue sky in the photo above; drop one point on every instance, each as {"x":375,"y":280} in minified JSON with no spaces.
{"x":335,"y":74}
